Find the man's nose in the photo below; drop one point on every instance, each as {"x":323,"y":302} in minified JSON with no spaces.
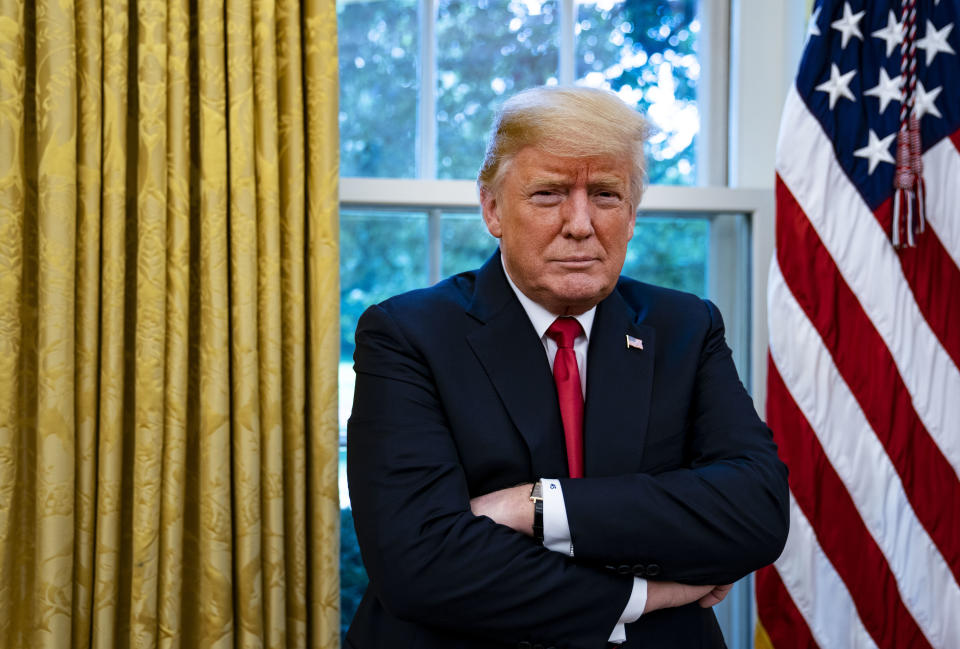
{"x":577,"y":218}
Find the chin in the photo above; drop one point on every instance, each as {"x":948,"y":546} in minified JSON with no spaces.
{"x":582,"y":296}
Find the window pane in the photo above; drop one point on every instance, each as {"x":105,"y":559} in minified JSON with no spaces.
{"x":382,"y":253}
{"x":646,"y":51}
{"x":670,"y":251}
{"x":466,"y":242}
{"x":486,"y":51}
{"x":378,"y":45}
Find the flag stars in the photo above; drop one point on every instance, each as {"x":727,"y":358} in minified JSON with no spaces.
{"x":877,"y":150}
{"x":886,"y":90}
{"x":813,"y":29}
{"x":892,"y":34}
{"x":934,"y":41}
{"x":838,"y":85}
{"x":924,"y":102}
{"x":848,"y":25}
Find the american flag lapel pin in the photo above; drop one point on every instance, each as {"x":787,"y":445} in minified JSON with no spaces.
{"x":634,"y":343}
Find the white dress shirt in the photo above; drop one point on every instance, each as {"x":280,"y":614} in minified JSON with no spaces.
{"x":556,"y":527}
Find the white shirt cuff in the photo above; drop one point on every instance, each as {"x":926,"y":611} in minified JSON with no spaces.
{"x":556,"y":528}
{"x":632,"y":612}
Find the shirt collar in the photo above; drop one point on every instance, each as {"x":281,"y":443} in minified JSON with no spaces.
{"x":541,"y":318}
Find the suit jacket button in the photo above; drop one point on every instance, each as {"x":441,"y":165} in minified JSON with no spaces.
{"x":653,"y":570}
{"x":639,"y":570}
{"x":624,"y":569}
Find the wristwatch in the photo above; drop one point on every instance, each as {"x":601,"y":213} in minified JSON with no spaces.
{"x":536,"y":495}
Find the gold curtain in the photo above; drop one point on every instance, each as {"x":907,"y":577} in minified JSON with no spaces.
{"x":168,"y":323}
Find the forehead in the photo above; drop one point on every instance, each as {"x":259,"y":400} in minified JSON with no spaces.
{"x":531,"y":164}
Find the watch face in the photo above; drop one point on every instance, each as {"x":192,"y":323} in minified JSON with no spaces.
{"x":537,"y":492}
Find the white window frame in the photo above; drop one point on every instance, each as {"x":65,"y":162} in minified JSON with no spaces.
{"x":749,"y":52}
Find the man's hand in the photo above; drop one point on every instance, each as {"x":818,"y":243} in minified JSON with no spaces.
{"x":668,"y":594}
{"x":715,"y":596}
{"x":511,"y":507}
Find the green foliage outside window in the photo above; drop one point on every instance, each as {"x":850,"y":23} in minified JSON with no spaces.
{"x":486,"y":50}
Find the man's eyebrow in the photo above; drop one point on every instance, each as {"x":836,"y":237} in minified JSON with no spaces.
{"x":554,"y":178}
{"x":609,"y":183}
{"x":607,"y":180}
{"x":549,"y":178}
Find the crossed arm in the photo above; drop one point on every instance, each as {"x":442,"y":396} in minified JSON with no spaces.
{"x":512,"y":507}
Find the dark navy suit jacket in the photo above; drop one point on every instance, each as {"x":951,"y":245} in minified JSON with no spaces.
{"x":455,"y":398}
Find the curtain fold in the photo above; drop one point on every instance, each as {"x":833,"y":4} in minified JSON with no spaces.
{"x":168,"y":323}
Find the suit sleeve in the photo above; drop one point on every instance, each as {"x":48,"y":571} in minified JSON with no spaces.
{"x":430,"y":560}
{"x":718,"y":516}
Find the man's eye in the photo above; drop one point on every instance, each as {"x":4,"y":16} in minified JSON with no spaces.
{"x":607,"y":198}
{"x":545,"y":197}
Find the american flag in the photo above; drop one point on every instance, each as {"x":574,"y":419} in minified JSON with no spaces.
{"x":864,"y":387}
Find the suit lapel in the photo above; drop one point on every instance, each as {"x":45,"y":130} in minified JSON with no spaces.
{"x":513,"y":357}
{"x":619,"y":384}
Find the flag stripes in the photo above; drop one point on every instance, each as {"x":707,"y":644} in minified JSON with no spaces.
{"x":867,"y":368}
{"x":837,"y":525}
{"x":931,"y":274}
{"x":806,"y":571}
{"x":941,"y":173}
{"x":924,"y":580}
{"x":869,"y":265}
{"x":781,"y":621}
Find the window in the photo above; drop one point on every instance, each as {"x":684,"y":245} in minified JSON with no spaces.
{"x":420,"y":82}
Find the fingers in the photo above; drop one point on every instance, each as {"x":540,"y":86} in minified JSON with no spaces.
{"x":667,"y":594}
{"x":511,"y":507}
{"x":715,"y":596}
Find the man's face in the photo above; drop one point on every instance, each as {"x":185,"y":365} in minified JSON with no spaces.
{"x":563,"y":225}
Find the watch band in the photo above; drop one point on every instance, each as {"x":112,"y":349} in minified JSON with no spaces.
{"x":536,"y":495}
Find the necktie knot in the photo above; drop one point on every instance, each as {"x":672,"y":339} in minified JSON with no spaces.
{"x":564,"y":331}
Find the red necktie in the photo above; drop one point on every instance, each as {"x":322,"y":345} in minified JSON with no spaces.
{"x":567,"y":376}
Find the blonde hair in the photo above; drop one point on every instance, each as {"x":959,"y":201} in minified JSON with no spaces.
{"x":569,"y":122}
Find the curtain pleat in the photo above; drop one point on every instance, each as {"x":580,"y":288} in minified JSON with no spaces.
{"x":292,"y":196}
{"x":320,"y":74}
{"x":243,"y":315}
{"x":269,"y":316}
{"x":53,"y":452}
{"x":177,"y":360}
{"x":168,"y":324}
{"x":13,"y":195}
{"x":108,"y":571}
{"x":89,"y":158}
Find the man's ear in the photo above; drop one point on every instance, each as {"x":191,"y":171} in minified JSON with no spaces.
{"x":631,"y":224}
{"x":491,"y":212}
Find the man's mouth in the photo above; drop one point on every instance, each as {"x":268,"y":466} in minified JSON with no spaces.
{"x":576,"y":261}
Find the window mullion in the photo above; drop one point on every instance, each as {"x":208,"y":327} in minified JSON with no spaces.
{"x":426,"y":118}
{"x":568,"y":21}
{"x":713,"y":92}
{"x":435,"y":244}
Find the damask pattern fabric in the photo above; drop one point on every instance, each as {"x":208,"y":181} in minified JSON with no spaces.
{"x":168,"y":323}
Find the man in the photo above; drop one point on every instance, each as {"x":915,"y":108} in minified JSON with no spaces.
{"x":656,"y":483}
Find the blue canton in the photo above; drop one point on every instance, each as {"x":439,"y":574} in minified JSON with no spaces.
{"x":848,"y":73}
